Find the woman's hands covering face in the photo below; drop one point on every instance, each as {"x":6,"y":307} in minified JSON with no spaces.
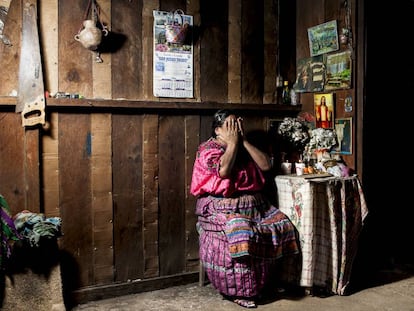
{"x":231,"y":130}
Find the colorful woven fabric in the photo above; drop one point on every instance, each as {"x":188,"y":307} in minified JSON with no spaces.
{"x":240,"y":240}
{"x":8,"y":231}
{"x":34,"y":226}
{"x":206,"y":179}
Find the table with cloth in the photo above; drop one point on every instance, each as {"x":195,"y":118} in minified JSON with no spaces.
{"x":328,"y":213}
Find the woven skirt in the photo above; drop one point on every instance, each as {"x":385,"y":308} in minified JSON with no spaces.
{"x":241,"y":240}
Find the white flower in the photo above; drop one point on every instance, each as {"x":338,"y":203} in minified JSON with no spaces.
{"x":295,"y":131}
{"x":321,"y":138}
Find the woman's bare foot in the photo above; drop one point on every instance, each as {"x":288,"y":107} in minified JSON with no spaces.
{"x":245,"y":303}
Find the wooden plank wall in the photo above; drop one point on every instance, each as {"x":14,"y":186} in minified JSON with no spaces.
{"x":120,"y":178}
{"x":325,"y":11}
{"x":128,"y":216}
{"x":19,"y":153}
{"x":10,"y":54}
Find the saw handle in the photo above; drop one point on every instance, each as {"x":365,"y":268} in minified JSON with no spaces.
{"x":34,"y":113}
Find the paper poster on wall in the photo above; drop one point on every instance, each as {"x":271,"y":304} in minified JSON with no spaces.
{"x":173,"y":55}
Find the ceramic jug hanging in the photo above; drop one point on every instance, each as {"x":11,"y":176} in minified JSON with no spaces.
{"x":90,"y":36}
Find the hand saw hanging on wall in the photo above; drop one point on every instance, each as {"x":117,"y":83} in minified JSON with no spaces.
{"x":31,"y":99}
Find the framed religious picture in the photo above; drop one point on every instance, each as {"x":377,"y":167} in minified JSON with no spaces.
{"x":343,"y":129}
{"x":323,"y":38}
{"x":324,"y":110}
{"x":338,"y":71}
{"x":310,"y":75}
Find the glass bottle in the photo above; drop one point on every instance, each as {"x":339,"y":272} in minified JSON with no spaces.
{"x":294,"y":98}
{"x":286,"y":93}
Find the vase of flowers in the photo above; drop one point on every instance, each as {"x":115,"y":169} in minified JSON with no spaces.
{"x":321,"y":142}
{"x":294,"y":132}
{"x":294,"y":135}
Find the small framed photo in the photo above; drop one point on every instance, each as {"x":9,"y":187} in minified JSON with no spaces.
{"x":338,"y":71}
{"x":323,"y":38}
{"x":324,"y":110}
{"x":343,"y":129}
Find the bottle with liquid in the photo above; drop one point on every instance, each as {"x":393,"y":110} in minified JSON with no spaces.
{"x":286,"y":93}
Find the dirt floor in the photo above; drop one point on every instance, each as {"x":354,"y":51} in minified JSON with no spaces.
{"x":387,"y":291}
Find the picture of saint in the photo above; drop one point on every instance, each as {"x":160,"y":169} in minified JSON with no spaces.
{"x":324,"y":112}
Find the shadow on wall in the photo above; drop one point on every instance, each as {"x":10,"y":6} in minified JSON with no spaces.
{"x":34,"y":276}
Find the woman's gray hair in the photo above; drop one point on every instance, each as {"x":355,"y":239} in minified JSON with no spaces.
{"x":219,"y":117}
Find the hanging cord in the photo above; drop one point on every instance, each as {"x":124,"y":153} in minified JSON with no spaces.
{"x":86,"y":14}
{"x":97,"y":17}
{"x":348,"y":13}
{"x":94,"y":10}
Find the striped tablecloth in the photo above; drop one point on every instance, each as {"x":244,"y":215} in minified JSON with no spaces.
{"x":328,"y":213}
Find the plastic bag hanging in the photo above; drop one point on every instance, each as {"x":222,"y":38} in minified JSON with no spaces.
{"x":176,"y":30}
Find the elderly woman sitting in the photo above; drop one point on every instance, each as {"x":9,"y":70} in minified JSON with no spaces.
{"x":241,"y":234}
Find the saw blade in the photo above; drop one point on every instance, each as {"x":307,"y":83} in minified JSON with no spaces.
{"x":31,"y":100}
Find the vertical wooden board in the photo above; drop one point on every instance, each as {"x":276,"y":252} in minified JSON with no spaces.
{"x":101,"y":72}
{"x":340,"y":96}
{"x":127,"y":74}
{"x":150,"y":169}
{"x":10,"y":54}
{"x":270,"y":20}
{"x":287,"y":25}
{"x":19,"y":164}
{"x":75,"y":61}
{"x":49,"y":41}
{"x":103,"y":251}
{"x":12,"y":174}
{"x":103,"y":274}
{"x":214,"y":51}
{"x":172,"y":195}
{"x":127,"y":196}
{"x":148,"y":48}
{"x":192,"y":140}
{"x":75,"y":199}
{"x":50,"y":167}
{"x":252,"y":52}
{"x":255,"y":128}
{"x":31,"y":164}
{"x":205,"y":128}
{"x":339,"y":110}
{"x":303,"y":22}
{"x":193,"y":8}
{"x":234,"y":57}
{"x":101,"y":187}
{"x":332,"y":10}
{"x":171,"y":6}
{"x":307,"y":101}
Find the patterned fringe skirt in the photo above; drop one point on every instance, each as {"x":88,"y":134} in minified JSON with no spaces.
{"x":241,"y":240}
